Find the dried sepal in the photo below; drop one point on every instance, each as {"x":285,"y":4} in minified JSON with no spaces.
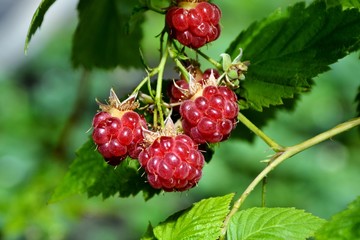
{"x":115,"y":107}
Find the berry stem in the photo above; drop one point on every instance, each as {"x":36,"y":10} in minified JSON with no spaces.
{"x":209,"y":59}
{"x":182,"y":69}
{"x":280,"y":157}
{"x":145,"y":80}
{"x":271,"y":143}
{"x":174,"y":55}
{"x":158,"y":96}
{"x":263,"y":192}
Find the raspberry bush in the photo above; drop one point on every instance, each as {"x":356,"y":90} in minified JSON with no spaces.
{"x":161,"y":137}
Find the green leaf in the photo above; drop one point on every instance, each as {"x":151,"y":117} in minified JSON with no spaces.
{"x":201,"y":221}
{"x":273,"y":224}
{"x":37,"y":20}
{"x":344,"y":225}
{"x":149,"y":234}
{"x":288,"y":49}
{"x":90,"y":174}
{"x":108,"y":34}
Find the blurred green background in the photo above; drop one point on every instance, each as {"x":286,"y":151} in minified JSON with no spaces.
{"x":39,"y":133}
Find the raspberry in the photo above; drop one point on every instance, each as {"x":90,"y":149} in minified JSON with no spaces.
{"x":172,"y":163}
{"x":210,"y":115}
{"x":194,"y":24}
{"x":172,"y":160}
{"x":116,"y":137}
{"x":118,"y":131}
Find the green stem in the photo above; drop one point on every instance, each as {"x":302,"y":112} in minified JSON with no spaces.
{"x":271,"y":143}
{"x":158,"y":96}
{"x":182,"y":69}
{"x":146,"y":79}
{"x":209,"y":59}
{"x":280,"y":157}
{"x":263,"y":192}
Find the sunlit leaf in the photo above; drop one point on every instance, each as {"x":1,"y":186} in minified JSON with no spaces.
{"x":273,"y":224}
{"x":201,"y":221}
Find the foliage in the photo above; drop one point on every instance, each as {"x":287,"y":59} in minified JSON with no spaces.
{"x":89,"y":174}
{"x":343,"y":225}
{"x":288,"y":49}
{"x":201,"y":221}
{"x":102,"y":38}
{"x":273,"y":223}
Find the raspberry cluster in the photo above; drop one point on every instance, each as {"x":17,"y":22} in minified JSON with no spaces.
{"x":206,"y":110}
{"x":194,"y":24}
{"x":172,"y":163}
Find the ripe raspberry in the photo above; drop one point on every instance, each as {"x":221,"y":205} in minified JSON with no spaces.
{"x":194,"y":24}
{"x":210,"y":115}
{"x":118,"y":131}
{"x":172,"y":163}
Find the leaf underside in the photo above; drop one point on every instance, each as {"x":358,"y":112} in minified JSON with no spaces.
{"x":37,"y":20}
{"x":103,"y":38}
{"x":201,"y":221}
{"x":273,"y":224}
{"x":90,"y":174}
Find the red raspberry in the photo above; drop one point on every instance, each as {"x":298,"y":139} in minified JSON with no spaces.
{"x":116,"y":137}
{"x":194,"y":24}
{"x":118,"y":130}
{"x":210,"y":115}
{"x":172,"y":163}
